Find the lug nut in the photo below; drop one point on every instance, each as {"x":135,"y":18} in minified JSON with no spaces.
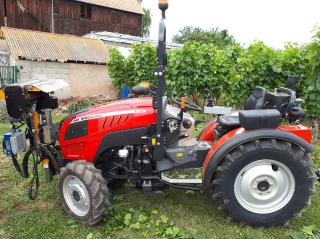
{"x":268,"y":191}
{"x":258,"y":181}
{"x":260,"y":193}
{"x":255,"y":188}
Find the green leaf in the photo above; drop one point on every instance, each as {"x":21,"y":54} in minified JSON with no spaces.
{"x":89,"y":236}
{"x":127,"y":219}
{"x":155,"y":212}
{"x":135,"y":226}
{"x":2,"y":232}
{"x":145,"y":234}
{"x":175,"y":230}
{"x":98,"y":235}
{"x":74,"y":226}
{"x":142,"y":218}
{"x":308,"y":229}
{"x":163,"y":219}
{"x":297,"y":235}
{"x":136,"y":216}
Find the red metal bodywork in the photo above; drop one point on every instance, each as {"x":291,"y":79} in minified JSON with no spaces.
{"x":299,"y":130}
{"x":207,"y":133}
{"x":85,"y":147}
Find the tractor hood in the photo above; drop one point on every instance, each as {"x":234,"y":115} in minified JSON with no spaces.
{"x":110,"y":107}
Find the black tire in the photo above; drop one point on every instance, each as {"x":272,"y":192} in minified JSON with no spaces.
{"x":252,"y":193}
{"x":83,"y":192}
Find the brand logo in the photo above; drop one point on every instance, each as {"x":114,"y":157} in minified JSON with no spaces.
{"x":90,"y":117}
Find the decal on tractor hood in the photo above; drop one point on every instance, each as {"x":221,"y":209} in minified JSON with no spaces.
{"x":89,"y":117}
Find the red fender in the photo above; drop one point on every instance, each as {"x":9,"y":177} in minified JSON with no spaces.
{"x":207,"y":133}
{"x":298,"y":130}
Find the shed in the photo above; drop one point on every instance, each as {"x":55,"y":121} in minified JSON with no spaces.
{"x":81,"y":62}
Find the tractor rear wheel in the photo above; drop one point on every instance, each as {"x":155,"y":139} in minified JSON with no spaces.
{"x":83,"y":192}
{"x":264,"y":182}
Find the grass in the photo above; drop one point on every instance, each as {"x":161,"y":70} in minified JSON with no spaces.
{"x":198,"y":214}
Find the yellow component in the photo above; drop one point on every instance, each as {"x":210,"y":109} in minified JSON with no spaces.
{"x":2,"y":95}
{"x":186,"y":135}
{"x":32,"y":88}
{"x":144,"y":84}
{"x":45,"y":163}
{"x":193,"y":129}
{"x":179,"y":154}
{"x":153,"y":141}
{"x":163,"y":1}
{"x":36,"y":122}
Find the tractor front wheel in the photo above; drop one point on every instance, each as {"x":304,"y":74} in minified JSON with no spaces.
{"x":83,"y":192}
{"x":264,"y":182}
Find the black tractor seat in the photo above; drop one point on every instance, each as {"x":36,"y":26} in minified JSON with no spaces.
{"x":229,"y":122}
{"x":251,"y":119}
{"x":256,"y":101}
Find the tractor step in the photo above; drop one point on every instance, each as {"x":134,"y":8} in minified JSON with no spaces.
{"x":189,"y":175}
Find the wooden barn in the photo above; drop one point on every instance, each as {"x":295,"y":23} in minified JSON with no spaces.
{"x":73,"y":17}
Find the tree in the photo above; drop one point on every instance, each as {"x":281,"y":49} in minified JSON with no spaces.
{"x":146,"y":21}
{"x":220,"y":38}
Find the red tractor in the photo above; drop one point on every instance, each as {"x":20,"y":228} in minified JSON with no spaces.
{"x":258,"y":171}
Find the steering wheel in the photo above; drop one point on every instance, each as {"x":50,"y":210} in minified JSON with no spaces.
{"x":188,"y":105}
{"x":291,"y":100}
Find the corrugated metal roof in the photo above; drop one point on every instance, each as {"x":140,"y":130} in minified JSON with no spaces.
{"x":43,"y":46}
{"x":124,"y":5}
{"x":109,"y":37}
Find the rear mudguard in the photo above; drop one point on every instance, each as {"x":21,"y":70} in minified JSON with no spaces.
{"x":206,"y":133}
{"x":298,"y":135}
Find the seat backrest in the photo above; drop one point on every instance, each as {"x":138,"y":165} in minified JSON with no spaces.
{"x":257,"y":99}
{"x":16,"y":100}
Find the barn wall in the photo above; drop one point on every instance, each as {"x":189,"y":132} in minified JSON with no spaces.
{"x":67,"y":18}
{"x":1,"y":13}
{"x":103,"y":19}
{"x":35,"y":18}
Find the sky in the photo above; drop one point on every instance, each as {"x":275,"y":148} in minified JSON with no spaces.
{"x":273,"y":22}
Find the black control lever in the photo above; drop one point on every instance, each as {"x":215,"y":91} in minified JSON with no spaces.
{"x":210,"y":99}
{"x":174,"y":94}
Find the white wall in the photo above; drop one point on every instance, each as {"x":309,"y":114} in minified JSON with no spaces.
{"x":37,"y":70}
{"x":83,"y":79}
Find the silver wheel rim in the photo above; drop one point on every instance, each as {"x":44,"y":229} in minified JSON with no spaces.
{"x":264,"y":186}
{"x":76,"y":195}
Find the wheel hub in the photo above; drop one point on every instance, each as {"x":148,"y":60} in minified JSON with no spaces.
{"x":261,"y":189}
{"x":263,"y":186}
{"x":76,"y":195}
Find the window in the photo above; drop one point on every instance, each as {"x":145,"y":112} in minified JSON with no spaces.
{"x":89,"y":12}
{"x":85,"y":12}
